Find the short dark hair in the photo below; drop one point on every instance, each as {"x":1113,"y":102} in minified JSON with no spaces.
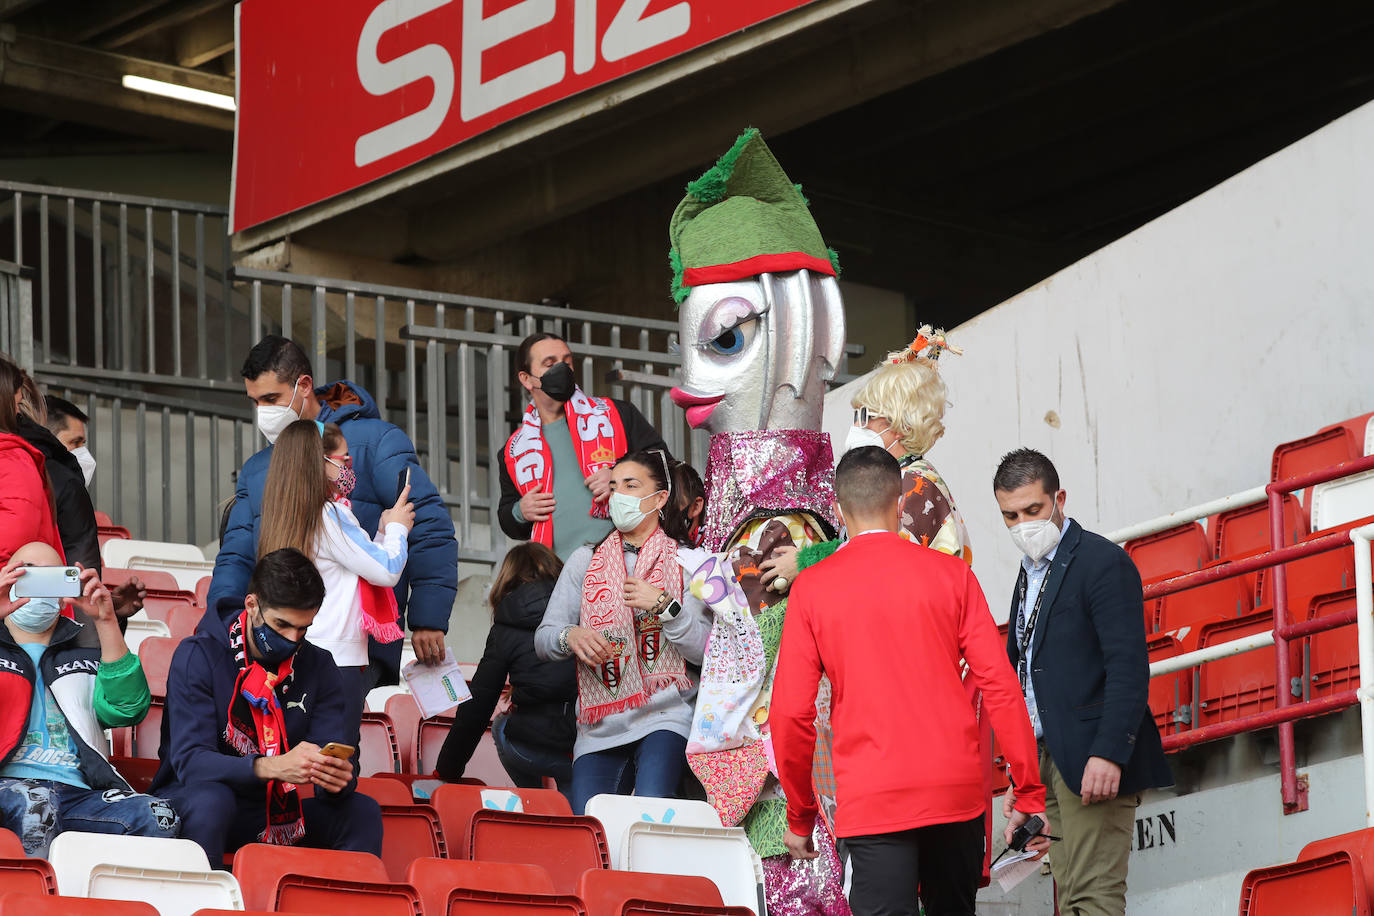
{"x":286,"y":578}
{"x":867,"y":479}
{"x":1023,"y":466}
{"x":522,"y":353}
{"x":278,"y":355}
{"x":60,"y":410}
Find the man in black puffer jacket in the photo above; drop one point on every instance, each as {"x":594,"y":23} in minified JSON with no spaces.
{"x":536,"y":739}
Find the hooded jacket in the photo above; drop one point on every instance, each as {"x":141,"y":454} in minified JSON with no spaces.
{"x":200,"y":683}
{"x":91,"y":695}
{"x":544,"y":693}
{"x":76,"y":524}
{"x":381,"y":455}
{"x":26,"y":503}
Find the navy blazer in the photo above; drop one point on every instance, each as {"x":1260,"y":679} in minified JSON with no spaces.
{"x":1089,"y":664}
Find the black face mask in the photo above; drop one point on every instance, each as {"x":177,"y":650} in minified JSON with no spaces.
{"x":272,"y":646}
{"x":558,"y":383}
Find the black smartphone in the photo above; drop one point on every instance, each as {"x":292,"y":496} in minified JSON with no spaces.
{"x":402,"y":481}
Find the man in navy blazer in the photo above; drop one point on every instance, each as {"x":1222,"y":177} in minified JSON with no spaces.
{"x":1077,"y":641}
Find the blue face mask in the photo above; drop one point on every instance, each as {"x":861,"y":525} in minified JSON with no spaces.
{"x":272,"y":646}
{"x":37,"y":615}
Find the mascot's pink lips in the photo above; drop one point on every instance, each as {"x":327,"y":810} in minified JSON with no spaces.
{"x":698,"y":406}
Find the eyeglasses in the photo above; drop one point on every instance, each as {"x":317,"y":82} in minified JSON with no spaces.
{"x":346,"y":459}
{"x":862,"y":415}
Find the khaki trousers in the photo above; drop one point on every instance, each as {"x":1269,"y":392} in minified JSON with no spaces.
{"x":1089,"y":864}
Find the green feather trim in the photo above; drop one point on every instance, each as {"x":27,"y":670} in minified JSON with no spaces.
{"x":834,"y":260}
{"x":806,"y":200}
{"x":678,"y":290}
{"x":710,"y":187}
{"x":811,"y":555}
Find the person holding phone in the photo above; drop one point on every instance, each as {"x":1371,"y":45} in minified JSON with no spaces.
{"x":306,"y":505}
{"x":27,"y":510}
{"x":56,"y":697}
{"x":252,"y":706}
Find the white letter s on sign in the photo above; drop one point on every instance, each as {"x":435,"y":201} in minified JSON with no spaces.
{"x":430,"y":62}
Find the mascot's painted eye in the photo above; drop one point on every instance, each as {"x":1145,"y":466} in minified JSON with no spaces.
{"x":729,"y":343}
{"x":729,"y":327}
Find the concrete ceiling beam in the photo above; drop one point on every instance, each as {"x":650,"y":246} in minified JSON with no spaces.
{"x":204,"y":39}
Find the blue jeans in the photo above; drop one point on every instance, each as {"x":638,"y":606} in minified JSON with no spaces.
{"x":650,"y":767}
{"x":527,"y":765}
{"x":38,"y":810}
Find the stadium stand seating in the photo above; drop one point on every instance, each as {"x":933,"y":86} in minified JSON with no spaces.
{"x":1332,"y":445}
{"x":464,"y":902}
{"x":74,"y":855}
{"x":23,"y":875}
{"x":1332,"y":883}
{"x":162,"y":582}
{"x":722,"y":854}
{"x":1180,"y":549}
{"x":405,"y":717}
{"x":618,"y":812}
{"x":119,"y":552}
{"x":1171,"y":696}
{"x":1333,"y":658}
{"x":260,"y":868}
{"x":377,"y":751}
{"x":203,"y":590}
{"x":43,"y":905}
{"x":385,"y":791}
{"x":172,"y":892}
{"x":155,"y":654}
{"x":186,"y":573}
{"x":10,"y":844}
{"x":565,"y":846}
{"x":485,"y":764}
{"x":605,"y":892}
{"x":412,"y":832}
{"x":1182,"y":614}
{"x":657,"y":908}
{"x":345,"y":897}
{"x":456,"y":804}
{"x":436,"y":878}
{"x":1239,"y":685}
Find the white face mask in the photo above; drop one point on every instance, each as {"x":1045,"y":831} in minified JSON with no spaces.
{"x":862,"y":437}
{"x":625,"y":512}
{"x":84,"y":458}
{"x":273,"y":418}
{"x":1036,"y":538}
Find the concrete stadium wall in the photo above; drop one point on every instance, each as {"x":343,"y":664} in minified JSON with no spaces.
{"x":1162,"y":370}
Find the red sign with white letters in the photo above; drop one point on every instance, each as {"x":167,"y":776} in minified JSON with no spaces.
{"x":332,"y":95}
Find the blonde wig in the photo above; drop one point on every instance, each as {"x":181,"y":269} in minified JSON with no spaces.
{"x":911,"y":396}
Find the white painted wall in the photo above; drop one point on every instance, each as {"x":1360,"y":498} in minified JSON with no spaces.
{"x":1176,"y":358}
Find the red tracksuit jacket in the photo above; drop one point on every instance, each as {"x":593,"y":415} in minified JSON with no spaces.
{"x":888,"y":622}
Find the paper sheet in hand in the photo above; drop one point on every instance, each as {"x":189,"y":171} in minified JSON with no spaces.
{"x":1015,"y":868}
{"x":437,"y":689}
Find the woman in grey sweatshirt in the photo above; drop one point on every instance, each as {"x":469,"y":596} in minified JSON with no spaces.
{"x":641,"y":748}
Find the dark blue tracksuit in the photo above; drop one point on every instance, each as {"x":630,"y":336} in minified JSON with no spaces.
{"x":222,"y":804}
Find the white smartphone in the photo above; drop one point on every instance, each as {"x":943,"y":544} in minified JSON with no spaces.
{"x":48,"y":582}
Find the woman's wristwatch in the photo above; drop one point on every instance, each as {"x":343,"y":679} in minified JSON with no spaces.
{"x":563,"y":640}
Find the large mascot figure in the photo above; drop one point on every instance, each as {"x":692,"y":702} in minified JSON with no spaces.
{"x":762,"y":331}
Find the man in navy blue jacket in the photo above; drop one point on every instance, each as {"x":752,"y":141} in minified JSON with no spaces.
{"x":1077,"y":641}
{"x":278,"y":380}
{"x":250,"y":705}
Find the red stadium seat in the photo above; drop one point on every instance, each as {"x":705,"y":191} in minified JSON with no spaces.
{"x":1183,"y":613}
{"x":464,"y":902}
{"x":566,"y":846}
{"x":102,"y":519}
{"x":605,"y":892}
{"x":336,"y":897}
{"x":1244,"y":531}
{"x":1333,"y":445}
{"x":385,"y":791}
{"x":259,"y":867}
{"x":159,"y":606}
{"x":656,"y":908}
{"x":203,"y":590}
{"x":411,"y":832}
{"x":1327,"y":884}
{"x":138,"y":772}
{"x":436,"y":878}
{"x":1308,"y":577}
{"x":1239,"y":685}
{"x":377,"y":751}
{"x":1171,"y":695}
{"x":147,"y":734}
{"x":405,"y":718}
{"x":155,"y":655}
{"x":1333,"y":655}
{"x":1185,"y":547}
{"x":21,"y":875}
{"x":182,"y":620}
{"x":105,"y":533}
{"x":1361,"y":430}
{"x":10,"y":844}
{"x":153,"y":578}
{"x":484,"y":765}
{"x":429,"y":740}
{"x":456,"y":804}
{"x":52,"y":905}
{"x":1359,"y":844}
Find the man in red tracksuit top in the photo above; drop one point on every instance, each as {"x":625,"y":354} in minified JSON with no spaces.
{"x":888,"y":622}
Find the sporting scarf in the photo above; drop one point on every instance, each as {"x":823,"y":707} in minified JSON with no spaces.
{"x":598,"y":436}
{"x":645,"y":661}
{"x":256,"y":726}
{"x":381,"y":612}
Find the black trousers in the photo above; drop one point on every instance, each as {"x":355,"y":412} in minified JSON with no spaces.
{"x":940,"y":864}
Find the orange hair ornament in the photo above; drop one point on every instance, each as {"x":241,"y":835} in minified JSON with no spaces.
{"x":929,"y":344}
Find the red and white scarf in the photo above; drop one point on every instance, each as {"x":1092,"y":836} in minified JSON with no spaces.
{"x":381,"y":612}
{"x":257,"y":726}
{"x":598,"y":436}
{"x":646,"y":661}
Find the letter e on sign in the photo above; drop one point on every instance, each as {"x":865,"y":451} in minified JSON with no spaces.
{"x":631,"y":31}
{"x":482,"y":33}
{"x":430,"y":62}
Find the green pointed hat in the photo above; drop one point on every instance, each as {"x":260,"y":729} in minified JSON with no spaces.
{"x":742,"y":218}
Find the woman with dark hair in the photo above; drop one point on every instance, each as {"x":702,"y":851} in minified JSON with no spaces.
{"x":27,"y":510}
{"x":536,"y":738}
{"x":305,"y":506}
{"x":689,"y":500}
{"x":621,"y":610}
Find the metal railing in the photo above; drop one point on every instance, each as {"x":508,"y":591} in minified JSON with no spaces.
{"x":1288,"y":708}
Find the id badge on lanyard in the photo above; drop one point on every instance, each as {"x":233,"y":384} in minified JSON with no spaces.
{"x":1028,"y":630}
